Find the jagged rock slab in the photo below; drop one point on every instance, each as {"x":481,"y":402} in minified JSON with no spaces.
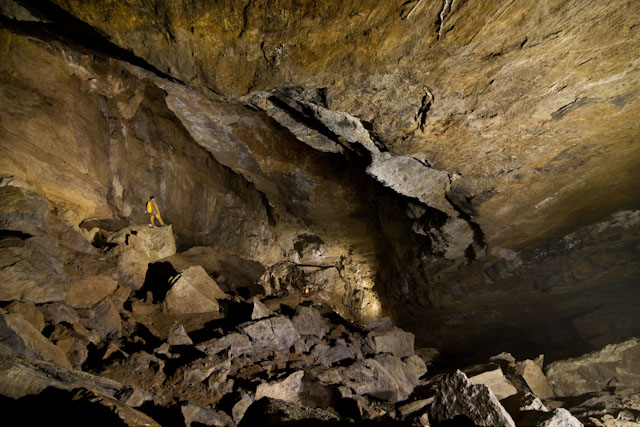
{"x":235,"y":343}
{"x":457,"y":396}
{"x":493,"y":377}
{"x":309,"y":321}
{"x":534,"y":377}
{"x":20,"y":337}
{"x":273,"y":412}
{"x":287,"y":389}
{"x":29,"y":312}
{"x":394,"y":340}
{"x":616,"y":365}
{"x":178,"y":335}
{"x":136,"y":247}
{"x":277,"y":333}
{"x":204,"y":416}
{"x":193,"y":291}
{"x":21,"y":376}
{"x":90,"y":290}
{"x":558,"y":418}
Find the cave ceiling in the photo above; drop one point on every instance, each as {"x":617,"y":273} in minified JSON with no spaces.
{"x":530,"y":107}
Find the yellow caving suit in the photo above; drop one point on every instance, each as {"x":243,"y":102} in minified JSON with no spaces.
{"x":154,"y":212}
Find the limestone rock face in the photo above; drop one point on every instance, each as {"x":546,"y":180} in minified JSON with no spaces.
{"x":193,"y":291}
{"x":616,"y":365}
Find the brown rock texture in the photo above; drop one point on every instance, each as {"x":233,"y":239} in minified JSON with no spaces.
{"x":457,"y":165}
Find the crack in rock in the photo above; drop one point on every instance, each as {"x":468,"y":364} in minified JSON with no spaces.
{"x":304,"y":113}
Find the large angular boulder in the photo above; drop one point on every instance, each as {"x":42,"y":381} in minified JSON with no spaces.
{"x":234,"y":343}
{"x":492,"y":376}
{"x":392,"y":340}
{"x":558,"y":418}
{"x":29,"y":312}
{"x":19,"y":337}
{"x":534,"y":377}
{"x":386,"y":377}
{"x":287,"y":389}
{"x":309,"y":321}
{"x":275,"y":334}
{"x":616,"y":365}
{"x":89,"y":290}
{"x":135,"y":247}
{"x":31,"y":273}
{"x":193,"y":291}
{"x":268,"y":412}
{"x":456,"y":396}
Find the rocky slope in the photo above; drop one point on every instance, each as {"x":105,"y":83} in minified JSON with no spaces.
{"x":173,"y":347}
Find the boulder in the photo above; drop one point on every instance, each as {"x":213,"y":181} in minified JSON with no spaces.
{"x":616,"y":365}
{"x":309,"y":321}
{"x":19,"y":337}
{"x":394,"y":340}
{"x":103,"y":319}
{"x":204,"y":416}
{"x":29,"y":312}
{"x":235,"y":343}
{"x":260,"y":311}
{"x":239,"y":409}
{"x":492,"y":376}
{"x":32,"y":270}
{"x":178,"y":335}
{"x":268,"y":412}
{"x":135,"y":247}
{"x":89,"y":290}
{"x":558,"y":418}
{"x":386,"y":377}
{"x":287,"y":389}
{"x":193,"y":291}
{"x":405,"y":375}
{"x":276,"y":333}
{"x":73,"y":345}
{"x":530,"y":371}
{"x":457,"y":396}
{"x":21,"y":376}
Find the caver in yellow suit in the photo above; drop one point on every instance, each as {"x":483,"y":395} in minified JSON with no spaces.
{"x":153,"y":212}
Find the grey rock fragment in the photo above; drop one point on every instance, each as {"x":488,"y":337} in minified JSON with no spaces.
{"x":457,"y":396}
{"x":395,"y":341}
{"x":204,"y":416}
{"x":178,"y":335}
{"x":308,"y":321}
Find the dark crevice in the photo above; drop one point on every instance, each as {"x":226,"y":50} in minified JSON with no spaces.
{"x":6,"y":234}
{"x":63,"y":27}
{"x":305,"y":116}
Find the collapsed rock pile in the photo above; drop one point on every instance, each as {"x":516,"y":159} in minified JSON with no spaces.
{"x":131,"y":331}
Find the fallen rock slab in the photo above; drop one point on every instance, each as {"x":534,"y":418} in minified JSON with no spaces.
{"x":193,"y":291}
{"x":287,"y":389}
{"x":534,"y":377}
{"x":616,"y":365}
{"x":493,"y":377}
{"x":457,"y":396}
{"x":19,"y":337}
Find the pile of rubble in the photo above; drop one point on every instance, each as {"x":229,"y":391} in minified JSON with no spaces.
{"x":132,"y":333}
